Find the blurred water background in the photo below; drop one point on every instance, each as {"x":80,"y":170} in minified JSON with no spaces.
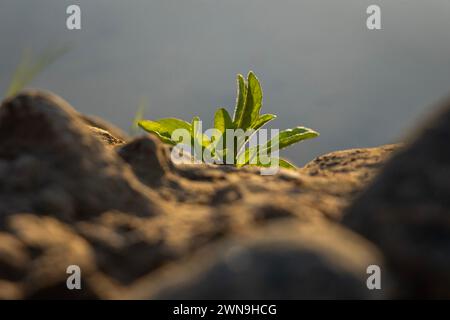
{"x":318,"y":64}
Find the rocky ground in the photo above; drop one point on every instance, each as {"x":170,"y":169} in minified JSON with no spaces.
{"x":76,"y":190}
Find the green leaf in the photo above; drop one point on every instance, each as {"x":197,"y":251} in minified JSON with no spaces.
{"x":262,"y":120}
{"x":286,"y":164}
{"x":253,"y":102}
{"x":222,"y":120}
{"x":286,"y":138}
{"x":196,"y":137}
{"x":282,"y":163}
{"x":290,"y":136}
{"x":240,"y":99}
{"x":194,"y":130}
{"x":243,"y":158}
{"x":194,"y":124}
{"x":164,"y":128}
{"x":155,"y":128}
{"x":195,"y":133}
{"x":171,"y":124}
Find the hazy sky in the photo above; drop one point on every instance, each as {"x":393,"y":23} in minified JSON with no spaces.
{"x":318,"y":64}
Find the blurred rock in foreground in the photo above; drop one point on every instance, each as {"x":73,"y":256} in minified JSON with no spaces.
{"x":285,"y":261}
{"x":406,"y":211}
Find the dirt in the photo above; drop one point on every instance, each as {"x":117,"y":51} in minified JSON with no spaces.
{"x":75,"y":190}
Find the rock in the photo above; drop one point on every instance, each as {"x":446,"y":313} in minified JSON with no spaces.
{"x":316,"y":190}
{"x":406,"y":211}
{"x":55,"y":246}
{"x":54,"y":165}
{"x":10,"y":291}
{"x":14,"y":258}
{"x":106,"y":136}
{"x":124,"y":249}
{"x":360,"y":164}
{"x":105,"y":126}
{"x":148,"y":159}
{"x":286,"y":261}
{"x":74,"y":190}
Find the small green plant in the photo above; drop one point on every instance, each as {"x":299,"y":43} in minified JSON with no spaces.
{"x":246,"y":117}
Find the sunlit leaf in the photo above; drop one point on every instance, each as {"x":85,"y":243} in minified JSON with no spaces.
{"x":222,"y":120}
{"x":240,"y":99}
{"x":253,"y":102}
{"x":262,"y":120}
{"x":164,"y":128}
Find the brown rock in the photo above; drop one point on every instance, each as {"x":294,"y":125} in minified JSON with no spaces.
{"x":54,"y":247}
{"x":285,"y":261}
{"x":53,"y":164}
{"x":359,"y":164}
{"x":406,"y":211}
{"x":148,"y":158}
{"x":99,"y":123}
{"x":106,"y":136}
{"x":125,"y":250}
{"x":77,"y":191}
